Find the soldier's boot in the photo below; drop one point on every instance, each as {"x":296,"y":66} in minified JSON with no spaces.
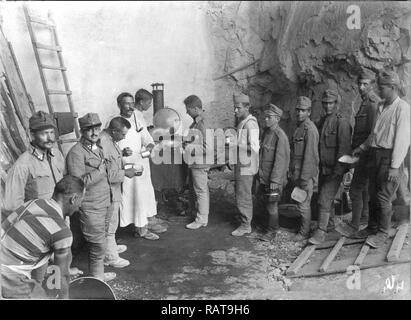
{"x":357,"y":209}
{"x":304,"y":231}
{"x":273,"y":219}
{"x":318,"y":237}
{"x":331,"y":221}
{"x":377,"y":240}
{"x":373,"y":223}
{"x":321,"y":232}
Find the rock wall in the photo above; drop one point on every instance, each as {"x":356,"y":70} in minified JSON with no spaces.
{"x":299,"y":48}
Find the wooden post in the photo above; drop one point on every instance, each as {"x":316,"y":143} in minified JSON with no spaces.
{"x":332,"y":254}
{"x":362,"y":254}
{"x":397,"y":243}
{"x":301,"y":260}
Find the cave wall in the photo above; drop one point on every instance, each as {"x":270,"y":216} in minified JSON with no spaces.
{"x":303,"y":47}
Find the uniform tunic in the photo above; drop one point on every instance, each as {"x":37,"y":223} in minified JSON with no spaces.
{"x":304,"y":152}
{"x":335,"y":141}
{"x":87,"y":162}
{"x":33,"y":176}
{"x":274,"y":157}
{"x":304,"y":167}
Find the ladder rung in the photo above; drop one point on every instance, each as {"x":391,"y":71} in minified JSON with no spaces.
{"x":41,"y":21}
{"x":44,"y":66}
{"x":47,"y":47}
{"x":59,"y":92}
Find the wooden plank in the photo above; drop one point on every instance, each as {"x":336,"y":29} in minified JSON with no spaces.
{"x":15,"y":104}
{"x":12,"y":74}
{"x":68,"y":140}
{"x":343,"y":269}
{"x":23,"y":85}
{"x":397,"y":243}
{"x":332,"y":255}
{"x":362,"y":254}
{"x":301,"y":260}
{"x":332,"y":243}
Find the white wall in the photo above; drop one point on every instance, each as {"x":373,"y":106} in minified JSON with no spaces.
{"x":112,"y":47}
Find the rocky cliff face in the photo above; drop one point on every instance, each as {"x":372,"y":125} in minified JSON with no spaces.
{"x":299,"y":48}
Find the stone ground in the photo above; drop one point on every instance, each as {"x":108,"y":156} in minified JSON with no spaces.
{"x":209,"y":263}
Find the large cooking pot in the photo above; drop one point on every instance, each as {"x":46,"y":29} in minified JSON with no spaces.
{"x":86,"y":288}
{"x":167,"y":120}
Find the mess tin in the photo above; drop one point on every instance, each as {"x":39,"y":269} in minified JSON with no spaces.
{"x":299,"y":195}
{"x":145,"y":154}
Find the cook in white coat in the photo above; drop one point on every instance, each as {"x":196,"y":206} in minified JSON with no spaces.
{"x":138,"y":201}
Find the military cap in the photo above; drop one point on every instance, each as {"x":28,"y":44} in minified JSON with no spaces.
{"x":272,"y":109}
{"x":330,"y":95}
{"x":240,"y":98}
{"x":389,"y":77}
{"x":40,"y":121}
{"x":303,"y":102}
{"x":366,"y":74}
{"x":89,"y":120}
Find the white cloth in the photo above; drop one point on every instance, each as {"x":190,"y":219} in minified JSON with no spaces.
{"x":248,"y":134}
{"x":138,"y":200}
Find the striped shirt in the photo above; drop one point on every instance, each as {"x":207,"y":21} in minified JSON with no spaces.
{"x":31,"y":233}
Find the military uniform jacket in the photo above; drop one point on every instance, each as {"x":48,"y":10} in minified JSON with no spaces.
{"x":33,"y":176}
{"x":335,"y":141}
{"x":89,"y":165}
{"x":365,"y":117}
{"x":114,"y":162}
{"x":304,"y":152}
{"x":274,"y":157}
{"x":198,"y":132}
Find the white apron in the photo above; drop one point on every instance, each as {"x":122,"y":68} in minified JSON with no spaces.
{"x":138,"y":201}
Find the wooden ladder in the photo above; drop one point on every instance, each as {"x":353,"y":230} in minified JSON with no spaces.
{"x":30,"y":20}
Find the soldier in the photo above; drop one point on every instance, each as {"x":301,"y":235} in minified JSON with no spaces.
{"x":364,"y":121}
{"x":273,"y":168}
{"x":335,"y":141}
{"x":198,"y":169}
{"x":248,"y":134}
{"x":304,"y":162}
{"x":36,"y":171}
{"x":32,"y":234}
{"x":86,"y":161}
{"x":388,"y":144}
{"x":138,"y":199}
{"x":109,"y":139}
